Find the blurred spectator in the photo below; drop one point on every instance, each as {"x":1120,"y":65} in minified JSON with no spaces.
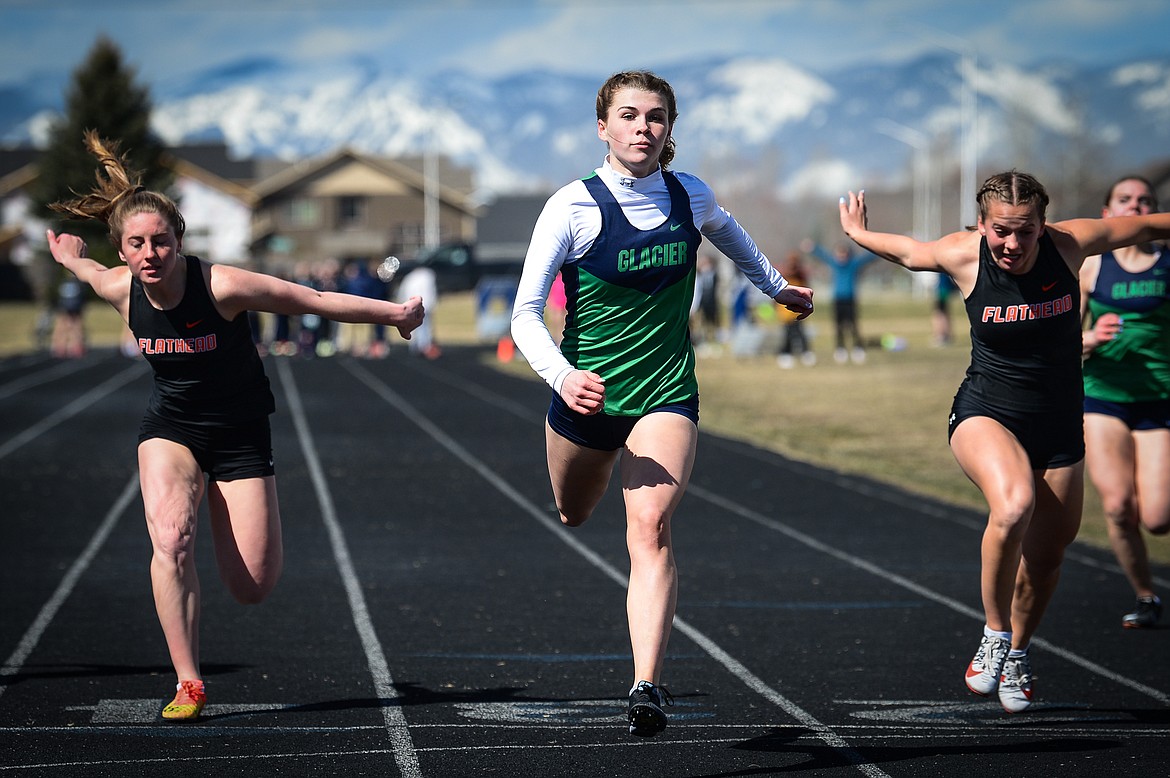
{"x":68,"y":324}
{"x":940,"y":315}
{"x":794,"y":342}
{"x":361,"y":340}
{"x":844,"y":265}
{"x":421,"y":282}
{"x":557,"y":302}
{"x":705,"y":318}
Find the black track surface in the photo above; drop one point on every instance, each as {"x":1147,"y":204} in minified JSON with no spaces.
{"x":434,"y":619}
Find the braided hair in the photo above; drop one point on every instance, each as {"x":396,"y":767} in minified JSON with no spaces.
{"x":1013,"y":188}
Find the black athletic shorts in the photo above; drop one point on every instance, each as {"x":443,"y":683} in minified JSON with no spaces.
{"x":1051,"y":438}
{"x":603,"y":431}
{"x":224,"y":452}
{"x":1144,"y":415}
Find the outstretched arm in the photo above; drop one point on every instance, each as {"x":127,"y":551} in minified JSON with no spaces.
{"x":733,"y":240}
{"x":1096,"y":236}
{"x":955,"y":254}
{"x":817,"y":252}
{"x":110,"y":284}
{"x":236,"y":290}
{"x":899,"y":249}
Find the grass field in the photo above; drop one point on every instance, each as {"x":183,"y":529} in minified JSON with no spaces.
{"x":885,"y":419}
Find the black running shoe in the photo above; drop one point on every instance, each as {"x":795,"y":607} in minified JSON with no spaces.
{"x":646,"y":703}
{"x":1145,"y":615}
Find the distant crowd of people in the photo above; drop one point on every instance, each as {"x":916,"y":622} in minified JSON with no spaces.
{"x":310,"y":335}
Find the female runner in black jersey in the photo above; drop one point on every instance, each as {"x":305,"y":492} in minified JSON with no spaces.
{"x":1016,"y":426}
{"x":209,"y":409}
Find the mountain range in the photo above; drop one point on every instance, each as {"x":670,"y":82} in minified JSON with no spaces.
{"x":744,"y":122}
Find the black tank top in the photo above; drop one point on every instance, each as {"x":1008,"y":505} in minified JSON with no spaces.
{"x":206,"y":368}
{"x":1026,"y":334}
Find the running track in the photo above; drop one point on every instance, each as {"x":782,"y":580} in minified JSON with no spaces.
{"x":434,"y":619}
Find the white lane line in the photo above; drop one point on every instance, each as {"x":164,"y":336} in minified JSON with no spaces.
{"x":736,"y":668}
{"x":50,"y":373}
{"x":31,"y":359}
{"x":14,"y":663}
{"x":768,"y":523}
{"x":927,"y":506}
{"x":72,"y":409}
{"x":396,"y":726}
{"x":887,"y":495}
{"x":990,"y":728}
{"x":292,"y":760}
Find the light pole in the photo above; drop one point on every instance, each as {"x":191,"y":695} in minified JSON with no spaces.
{"x":968,"y":118}
{"x":430,"y":194}
{"x":969,"y":150}
{"x":925,"y":185}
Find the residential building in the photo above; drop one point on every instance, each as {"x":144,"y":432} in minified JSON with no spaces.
{"x":348,"y":205}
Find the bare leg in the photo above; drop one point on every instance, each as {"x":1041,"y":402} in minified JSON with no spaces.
{"x":245,"y":525}
{"x":1055,"y":522}
{"x":579,"y":476}
{"x":656,"y":468}
{"x":172,"y":488}
{"x":1153,"y":489}
{"x":1111,"y":459}
{"x":996,"y":463}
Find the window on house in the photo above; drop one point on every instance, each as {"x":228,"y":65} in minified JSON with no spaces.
{"x":409,"y":236}
{"x":351,"y":211}
{"x":303,"y":212}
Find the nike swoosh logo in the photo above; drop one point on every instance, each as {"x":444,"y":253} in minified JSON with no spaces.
{"x":195,"y":323}
{"x":674,"y":227}
{"x":1046,"y":287}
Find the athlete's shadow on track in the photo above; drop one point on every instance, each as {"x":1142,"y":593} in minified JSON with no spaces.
{"x":412,"y":695}
{"x":30,"y":672}
{"x":824,"y":757}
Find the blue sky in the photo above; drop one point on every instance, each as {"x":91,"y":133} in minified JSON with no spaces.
{"x":170,"y":38}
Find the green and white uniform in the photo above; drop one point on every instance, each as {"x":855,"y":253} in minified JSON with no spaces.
{"x":627,"y":254}
{"x":1134,"y":366}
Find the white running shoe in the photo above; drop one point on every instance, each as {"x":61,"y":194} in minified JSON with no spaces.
{"x":987,"y":665}
{"x":1015,"y":685}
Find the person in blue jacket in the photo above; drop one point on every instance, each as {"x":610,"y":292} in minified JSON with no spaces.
{"x":845,"y":266}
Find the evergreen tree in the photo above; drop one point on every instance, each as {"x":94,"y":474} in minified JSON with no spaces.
{"x":104,"y":97}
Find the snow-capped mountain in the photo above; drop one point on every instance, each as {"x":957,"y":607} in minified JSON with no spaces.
{"x":740,"y":120}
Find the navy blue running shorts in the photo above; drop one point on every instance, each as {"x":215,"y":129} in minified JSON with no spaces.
{"x":603,"y":431}
{"x":1145,"y":415}
{"x":1051,"y":439}
{"x":225,"y":452}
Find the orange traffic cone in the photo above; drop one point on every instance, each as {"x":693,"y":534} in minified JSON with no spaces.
{"x":505,"y":349}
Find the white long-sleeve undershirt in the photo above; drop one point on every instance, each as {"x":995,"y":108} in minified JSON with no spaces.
{"x":571,"y":221}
